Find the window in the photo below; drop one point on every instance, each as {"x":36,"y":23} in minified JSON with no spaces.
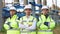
{"x":9,"y":1}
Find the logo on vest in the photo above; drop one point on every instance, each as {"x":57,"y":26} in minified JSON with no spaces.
{"x":29,"y":24}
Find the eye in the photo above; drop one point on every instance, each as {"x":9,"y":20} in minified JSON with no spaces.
{"x":27,"y":9}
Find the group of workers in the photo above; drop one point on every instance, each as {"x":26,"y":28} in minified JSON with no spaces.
{"x":28,"y":24}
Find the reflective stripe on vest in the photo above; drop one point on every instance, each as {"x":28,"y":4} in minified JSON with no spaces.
{"x":28,"y":31}
{"x":26,"y":21}
{"x":45,"y":31}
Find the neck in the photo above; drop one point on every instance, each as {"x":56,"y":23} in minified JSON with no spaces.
{"x":27,"y":15}
{"x":11,"y":15}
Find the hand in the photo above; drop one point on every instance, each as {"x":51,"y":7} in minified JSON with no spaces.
{"x":11,"y":27}
{"x":46,"y":23}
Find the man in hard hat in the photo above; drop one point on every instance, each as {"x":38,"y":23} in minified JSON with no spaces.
{"x":46,"y":24}
{"x":11,"y":24}
{"x":27,"y":23}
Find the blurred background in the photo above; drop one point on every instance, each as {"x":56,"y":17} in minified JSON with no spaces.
{"x":54,"y":7}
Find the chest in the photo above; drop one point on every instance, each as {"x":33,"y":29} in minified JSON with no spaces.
{"x":44,"y":19}
{"x":13,"y":19}
{"x":26,"y":21}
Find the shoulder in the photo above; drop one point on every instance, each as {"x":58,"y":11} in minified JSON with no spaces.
{"x":50,"y":16}
{"x":22,"y":17}
{"x":8,"y":18}
{"x":34,"y":18}
{"x":16,"y":15}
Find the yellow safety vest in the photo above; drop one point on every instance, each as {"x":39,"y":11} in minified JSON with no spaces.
{"x":11,"y":22}
{"x":31,"y":19}
{"x":41,"y":26}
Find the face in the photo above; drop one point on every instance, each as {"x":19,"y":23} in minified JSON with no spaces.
{"x":28,"y":11}
{"x":12,"y":12}
{"x":45,"y":11}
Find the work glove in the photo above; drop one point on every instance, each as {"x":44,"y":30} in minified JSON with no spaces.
{"x":46,"y":23}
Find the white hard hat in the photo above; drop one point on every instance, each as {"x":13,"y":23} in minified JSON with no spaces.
{"x":28,"y":7}
{"x":44,"y":7}
{"x":12,"y":8}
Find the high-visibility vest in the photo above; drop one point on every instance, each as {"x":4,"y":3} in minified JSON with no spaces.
{"x":41,"y":26}
{"x":30,"y":22}
{"x":11,"y":22}
{"x":31,"y":19}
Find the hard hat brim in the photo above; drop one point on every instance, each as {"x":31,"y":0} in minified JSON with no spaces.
{"x":12,"y":10}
